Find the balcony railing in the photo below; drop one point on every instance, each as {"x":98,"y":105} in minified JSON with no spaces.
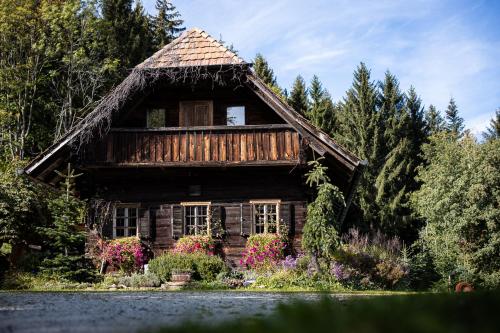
{"x":197,"y":146}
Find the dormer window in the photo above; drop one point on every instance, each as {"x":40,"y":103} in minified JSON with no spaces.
{"x":235,"y":116}
{"x":155,"y":118}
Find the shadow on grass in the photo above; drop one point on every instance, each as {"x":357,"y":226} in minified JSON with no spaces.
{"x":477,"y":312}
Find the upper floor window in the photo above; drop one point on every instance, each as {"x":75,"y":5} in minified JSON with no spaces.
{"x":266,"y":216}
{"x":155,"y":118}
{"x":196,"y":218}
{"x":125,"y":221}
{"x":235,"y":115}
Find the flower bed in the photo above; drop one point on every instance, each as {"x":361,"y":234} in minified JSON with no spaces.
{"x":126,"y":254}
{"x":195,"y":244}
{"x":263,"y":252}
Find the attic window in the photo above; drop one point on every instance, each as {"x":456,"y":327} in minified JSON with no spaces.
{"x":235,"y":115}
{"x":155,"y":118}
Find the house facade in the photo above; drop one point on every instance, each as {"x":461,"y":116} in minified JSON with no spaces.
{"x":192,"y":142}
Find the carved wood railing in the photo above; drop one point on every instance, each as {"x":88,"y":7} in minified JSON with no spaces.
{"x":196,"y":146}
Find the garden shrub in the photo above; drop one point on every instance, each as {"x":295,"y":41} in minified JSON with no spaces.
{"x":203,"y":266}
{"x":126,"y":254}
{"x":371,"y":262}
{"x":195,"y":244}
{"x":231,"y":278}
{"x":292,"y":279}
{"x":263,"y":252}
{"x":140,"y":280}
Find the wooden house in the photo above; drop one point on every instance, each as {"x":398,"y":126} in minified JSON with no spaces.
{"x":191,"y":139}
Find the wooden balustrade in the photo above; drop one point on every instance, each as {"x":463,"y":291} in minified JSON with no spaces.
{"x":197,"y":146}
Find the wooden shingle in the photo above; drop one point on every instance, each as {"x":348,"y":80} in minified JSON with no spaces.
{"x":193,"y":48}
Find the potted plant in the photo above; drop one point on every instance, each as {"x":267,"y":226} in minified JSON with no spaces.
{"x":181,"y":275}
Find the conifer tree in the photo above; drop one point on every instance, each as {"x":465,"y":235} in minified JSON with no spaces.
{"x":167,"y":24}
{"x":493,"y":131}
{"x":321,"y":109}
{"x":454,"y":123}
{"x":434,"y":121}
{"x":396,"y":180}
{"x":298,"y":96}
{"x":263,"y":71}
{"x":391,"y":109}
{"x":360,"y":132}
{"x":65,"y":239}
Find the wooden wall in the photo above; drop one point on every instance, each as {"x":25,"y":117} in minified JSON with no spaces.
{"x":158,"y":191}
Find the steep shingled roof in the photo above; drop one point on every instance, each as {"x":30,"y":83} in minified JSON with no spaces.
{"x":193,"y":48}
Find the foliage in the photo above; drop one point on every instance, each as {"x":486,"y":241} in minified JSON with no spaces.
{"x":321,"y":110}
{"x":320,"y":234}
{"x":204,"y":267}
{"x":137,"y":280}
{"x":195,"y":244}
{"x":263,"y":252}
{"x":231,"y":278}
{"x":298,"y":96}
{"x":64,"y":237}
{"x":434,"y":121}
{"x":454,"y":123}
{"x":474,"y":312}
{"x":371,"y":262}
{"x":493,"y":130}
{"x":296,"y":280}
{"x":17,"y":280}
{"x":167,"y":24}
{"x":21,"y":206}
{"x":459,"y":199}
{"x":126,"y":253}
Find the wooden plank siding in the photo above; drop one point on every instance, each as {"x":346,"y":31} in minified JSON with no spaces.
{"x":271,"y":144}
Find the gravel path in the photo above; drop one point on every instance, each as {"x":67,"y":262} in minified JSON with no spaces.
{"x":97,"y":312}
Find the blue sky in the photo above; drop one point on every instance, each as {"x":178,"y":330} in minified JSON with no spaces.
{"x":444,"y":48}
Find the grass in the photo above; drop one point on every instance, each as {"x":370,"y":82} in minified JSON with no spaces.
{"x":476,"y":312}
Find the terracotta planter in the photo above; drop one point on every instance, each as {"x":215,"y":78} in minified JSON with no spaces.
{"x":181,"y":277}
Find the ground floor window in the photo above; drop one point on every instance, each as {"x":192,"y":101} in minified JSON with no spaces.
{"x":125,"y":221}
{"x":266,"y":216}
{"x":196,"y":218}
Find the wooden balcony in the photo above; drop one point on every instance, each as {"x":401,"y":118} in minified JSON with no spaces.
{"x":196,"y":146}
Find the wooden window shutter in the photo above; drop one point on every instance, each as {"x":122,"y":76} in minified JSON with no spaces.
{"x":195,"y":113}
{"x":216,"y":220}
{"x":177,"y":221}
{"x":144,"y":225}
{"x":246,"y":219}
{"x":286,"y":218}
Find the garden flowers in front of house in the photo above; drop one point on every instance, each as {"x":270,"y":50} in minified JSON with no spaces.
{"x":195,"y":244}
{"x":126,"y":254}
{"x":263,"y":252}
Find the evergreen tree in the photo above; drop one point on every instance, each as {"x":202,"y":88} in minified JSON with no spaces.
{"x":167,"y":24}
{"x":434,"y":121}
{"x":493,"y":131}
{"x":65,"y":239}
{"x":391,"y":109}
{"x":263,"y":71}
{"x":360,"y":132}
{"x":396,"y":180}
{"x":321,"y":109}
{"x":321,"y":231}
{"x":454,"y":123}
{"x":298,"y":96}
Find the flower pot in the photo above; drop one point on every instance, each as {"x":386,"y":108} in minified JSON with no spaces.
{"x":181,"y":277}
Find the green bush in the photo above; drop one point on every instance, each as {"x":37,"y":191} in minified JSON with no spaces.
{"x":140,"y":280}
{"x":297,"y":280}
{"x":204,"y":267}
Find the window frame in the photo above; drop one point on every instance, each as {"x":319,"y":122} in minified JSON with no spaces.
{"x":184,"y":105}
{"x":126,"y":218}
{"x":148,"y":122}
{"x":206,"y":204}
{"x":244,"y":114}
{"x":254,"y":203}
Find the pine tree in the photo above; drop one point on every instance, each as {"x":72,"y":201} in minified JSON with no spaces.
{"x":298,"y":96}
{"x":321,"y":109}
{"x":454,"y":123}
{"x":434,"y":121}
{"x":391,"y":106}
{"x":493,"y":131}
{"x":65,"y":239}
{"x":167,"y":24}
{"x":396,"y":180}
{"x":359,"y":131}
{"x":263,"y":71}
